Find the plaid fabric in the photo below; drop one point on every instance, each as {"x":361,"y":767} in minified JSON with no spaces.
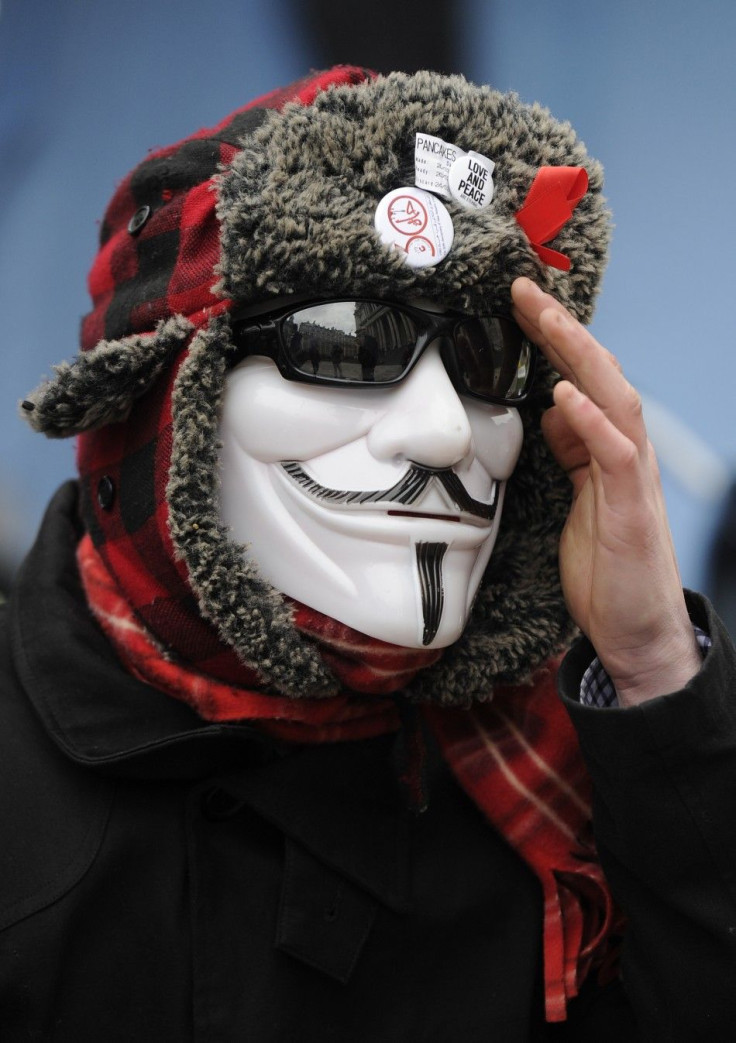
{"x":363,"y":664}
{"x":137,"y":280}
{"x":517,"y":758}
{"x":133,"y":538}
{"x":168,"y":266}
{"x":596,"y":687}
{"x":293,"y":720}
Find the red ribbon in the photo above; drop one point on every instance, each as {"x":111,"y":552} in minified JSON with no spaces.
{"x":554,"y":194}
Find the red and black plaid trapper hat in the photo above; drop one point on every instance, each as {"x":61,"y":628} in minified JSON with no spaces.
{"x":280,"y":199}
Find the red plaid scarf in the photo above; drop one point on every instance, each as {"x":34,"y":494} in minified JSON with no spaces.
{"x":517,"y":757}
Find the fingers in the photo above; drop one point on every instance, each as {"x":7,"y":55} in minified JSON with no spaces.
{"x":598,"y":415}
{"x":568,"y":449}
{"x":627,"y":507}
{"x":579,"y":358}
{"x":608,"y":446}
{"x":529,"y":302}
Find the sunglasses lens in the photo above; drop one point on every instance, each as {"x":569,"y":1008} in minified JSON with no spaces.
{"x":351,"y":341}
{"x":494,"y":359}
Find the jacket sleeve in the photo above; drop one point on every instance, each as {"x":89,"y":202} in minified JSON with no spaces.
{"x":664,"y":776}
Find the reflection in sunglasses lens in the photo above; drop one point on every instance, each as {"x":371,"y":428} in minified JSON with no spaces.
{"x":373,"y":342}
{"x":351,"y":340}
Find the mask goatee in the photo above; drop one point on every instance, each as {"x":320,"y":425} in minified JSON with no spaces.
{"x":429,"y":566}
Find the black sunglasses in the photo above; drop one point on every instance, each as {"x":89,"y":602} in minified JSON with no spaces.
{"x":370,"y":343}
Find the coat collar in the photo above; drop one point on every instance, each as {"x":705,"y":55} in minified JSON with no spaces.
{"x":99,"y":715}
{"x":341,"y":801}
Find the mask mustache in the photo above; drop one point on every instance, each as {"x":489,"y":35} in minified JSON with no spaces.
{"x":406,"y":491}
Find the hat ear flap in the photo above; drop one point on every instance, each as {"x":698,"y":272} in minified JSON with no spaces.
{"x":99,"y":386}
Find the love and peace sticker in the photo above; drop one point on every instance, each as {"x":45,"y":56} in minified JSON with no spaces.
{"x":470,"y":182}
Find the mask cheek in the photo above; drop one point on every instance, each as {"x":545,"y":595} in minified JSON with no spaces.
{"x":272,"y":419}
{"x":498,"y":433}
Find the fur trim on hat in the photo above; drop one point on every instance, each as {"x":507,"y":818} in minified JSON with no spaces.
{"x":249,"y":614}
{"x":98,"y":387}
{"x":297,"y":204}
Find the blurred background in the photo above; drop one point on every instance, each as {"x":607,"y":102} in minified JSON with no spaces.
{"x":88,"y":86}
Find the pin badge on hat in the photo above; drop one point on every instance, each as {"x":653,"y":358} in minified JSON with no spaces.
{"x":412,"y":220}
{"x":470,"y":182}
{"x":444,"y":168}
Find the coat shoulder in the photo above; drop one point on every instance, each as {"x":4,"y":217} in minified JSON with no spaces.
{"x":52,"y":813}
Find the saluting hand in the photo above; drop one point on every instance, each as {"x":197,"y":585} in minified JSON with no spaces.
{"x":617,"y":562}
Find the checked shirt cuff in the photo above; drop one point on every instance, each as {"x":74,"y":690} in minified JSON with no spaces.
{"x":596,"y":687}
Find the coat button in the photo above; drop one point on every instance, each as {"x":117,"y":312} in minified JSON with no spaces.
{"x":138,"y":219}
{"x":218,"y":804}
{"x":105,"y":492}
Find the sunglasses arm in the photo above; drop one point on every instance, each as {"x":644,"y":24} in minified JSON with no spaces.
{"x":257,"y":338}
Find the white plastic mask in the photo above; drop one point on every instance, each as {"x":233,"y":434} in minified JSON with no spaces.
{"x":298,"y":460}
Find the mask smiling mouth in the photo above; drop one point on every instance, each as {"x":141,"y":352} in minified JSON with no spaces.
{"x":408,"y":490}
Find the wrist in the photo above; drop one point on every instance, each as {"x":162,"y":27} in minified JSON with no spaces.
{"x":656,"y":669}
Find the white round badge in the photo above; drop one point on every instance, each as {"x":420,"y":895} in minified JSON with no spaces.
{"x":470,"y":180}
{"x":417,"y":224}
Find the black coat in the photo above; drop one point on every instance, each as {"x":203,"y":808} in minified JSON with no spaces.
{"x":166,"y":879}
